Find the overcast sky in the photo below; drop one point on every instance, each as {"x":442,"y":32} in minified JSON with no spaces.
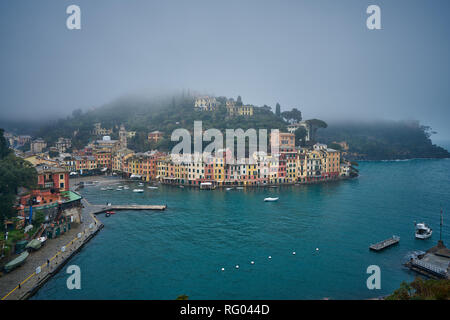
{"x":316,"y":55}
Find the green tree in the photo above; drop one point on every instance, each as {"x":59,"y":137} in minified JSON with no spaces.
{"x":278,"y":110}
{"x":294,"y":115}
{"x":421,"y":289}
{"x":14,"y":173}
{"x":314,"y":125}
{"x":4,"y":149}
{"x":300,"y":135}
{"x":239,"y":101}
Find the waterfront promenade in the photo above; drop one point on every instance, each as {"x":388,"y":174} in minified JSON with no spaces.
{"x":23,"y":282}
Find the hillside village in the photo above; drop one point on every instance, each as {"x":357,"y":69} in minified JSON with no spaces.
{"x":297,"y":161}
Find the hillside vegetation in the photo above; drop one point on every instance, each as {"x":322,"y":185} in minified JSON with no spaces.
{"x":375,"y":140}
{"x":384,"y":140}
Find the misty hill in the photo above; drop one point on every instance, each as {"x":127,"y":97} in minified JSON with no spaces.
{"x":143,"y":115}
{"x":374,"y":140}
{"x":384,"y":140}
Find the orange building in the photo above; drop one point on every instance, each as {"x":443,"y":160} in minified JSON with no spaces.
{"x":285,"y":141}
{"x":103,"y":159}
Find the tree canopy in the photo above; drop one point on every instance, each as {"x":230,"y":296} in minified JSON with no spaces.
{"x":14,"y":173}
{"x":294,"y":115}
{"x":300,"y":135}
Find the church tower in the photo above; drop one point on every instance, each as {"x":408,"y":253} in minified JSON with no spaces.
{"x":123,"y":136}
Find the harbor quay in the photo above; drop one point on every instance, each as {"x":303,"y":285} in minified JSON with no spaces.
{"x":24,"y":281}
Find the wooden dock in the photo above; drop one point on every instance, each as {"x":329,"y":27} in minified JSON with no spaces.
{"x":97,"y":209}
{"x":385,"y":243}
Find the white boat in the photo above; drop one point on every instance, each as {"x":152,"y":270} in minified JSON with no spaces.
{"x":152,"y":187}
{"x":423,"y":231}
{"x":126,"y":188}
{"x":42,"y":239}
{"x":228,"y":189}
{"x":239,"y":188}
{"x":138,"y":190}
{"x":271,"y":199}
{"x":141,"y":184}
{"x":103,"y":189}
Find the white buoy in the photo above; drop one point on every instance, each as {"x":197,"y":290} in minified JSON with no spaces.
{"x":293,"y":253}
{"x":237,"y":266}
{"x":223,"y":269}
{"x":317,"y":249}
{"x":252,"y":262}
{"x":270,"y":257}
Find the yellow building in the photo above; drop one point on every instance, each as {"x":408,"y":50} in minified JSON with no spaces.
{"x":36,"y":160}
{"x":219,"y":170}
{"x":205,"y":103}
{"x":332,"y":162}
{"x":119,"y":158}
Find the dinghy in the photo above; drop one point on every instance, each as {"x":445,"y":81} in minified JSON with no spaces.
{"x":16,"y":262}
{"x":270,"y":199}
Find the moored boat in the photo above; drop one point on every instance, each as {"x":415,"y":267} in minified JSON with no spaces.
{"x":270,"y":199}
{"x":42,"y":240}
{"x":138,"y":190}
{"x":16,"y":262}
{"x":34,"y":244}
{"x":423,"y":231}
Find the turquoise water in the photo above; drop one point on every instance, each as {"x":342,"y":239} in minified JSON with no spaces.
{"x":160,"y":255}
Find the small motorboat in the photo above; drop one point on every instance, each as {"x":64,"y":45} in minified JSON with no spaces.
{"x":150,"y":187}
{"x":228,"y":189}
{"x":270,"y":199}
{"x":103,"y":189}
{"x":110,"y":212}
{"x":107,"y":214}
{"x":140,"y":184}
{"x":181,"y":186}
{"x":423,"y":231}
{"x":138,"y":190}
{"x":126,"y":188}
{"x":239,"y":188}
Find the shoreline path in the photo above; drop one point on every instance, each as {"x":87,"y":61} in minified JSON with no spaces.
{"x":24,"y":281}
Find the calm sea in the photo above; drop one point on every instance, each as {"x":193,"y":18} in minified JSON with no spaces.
{"x":160,"y":255}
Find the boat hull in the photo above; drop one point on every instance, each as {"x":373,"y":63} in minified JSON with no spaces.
{"x":424,"y":236}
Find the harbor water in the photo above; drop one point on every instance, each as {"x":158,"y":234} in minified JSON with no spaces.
{"x":164,"y":254}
